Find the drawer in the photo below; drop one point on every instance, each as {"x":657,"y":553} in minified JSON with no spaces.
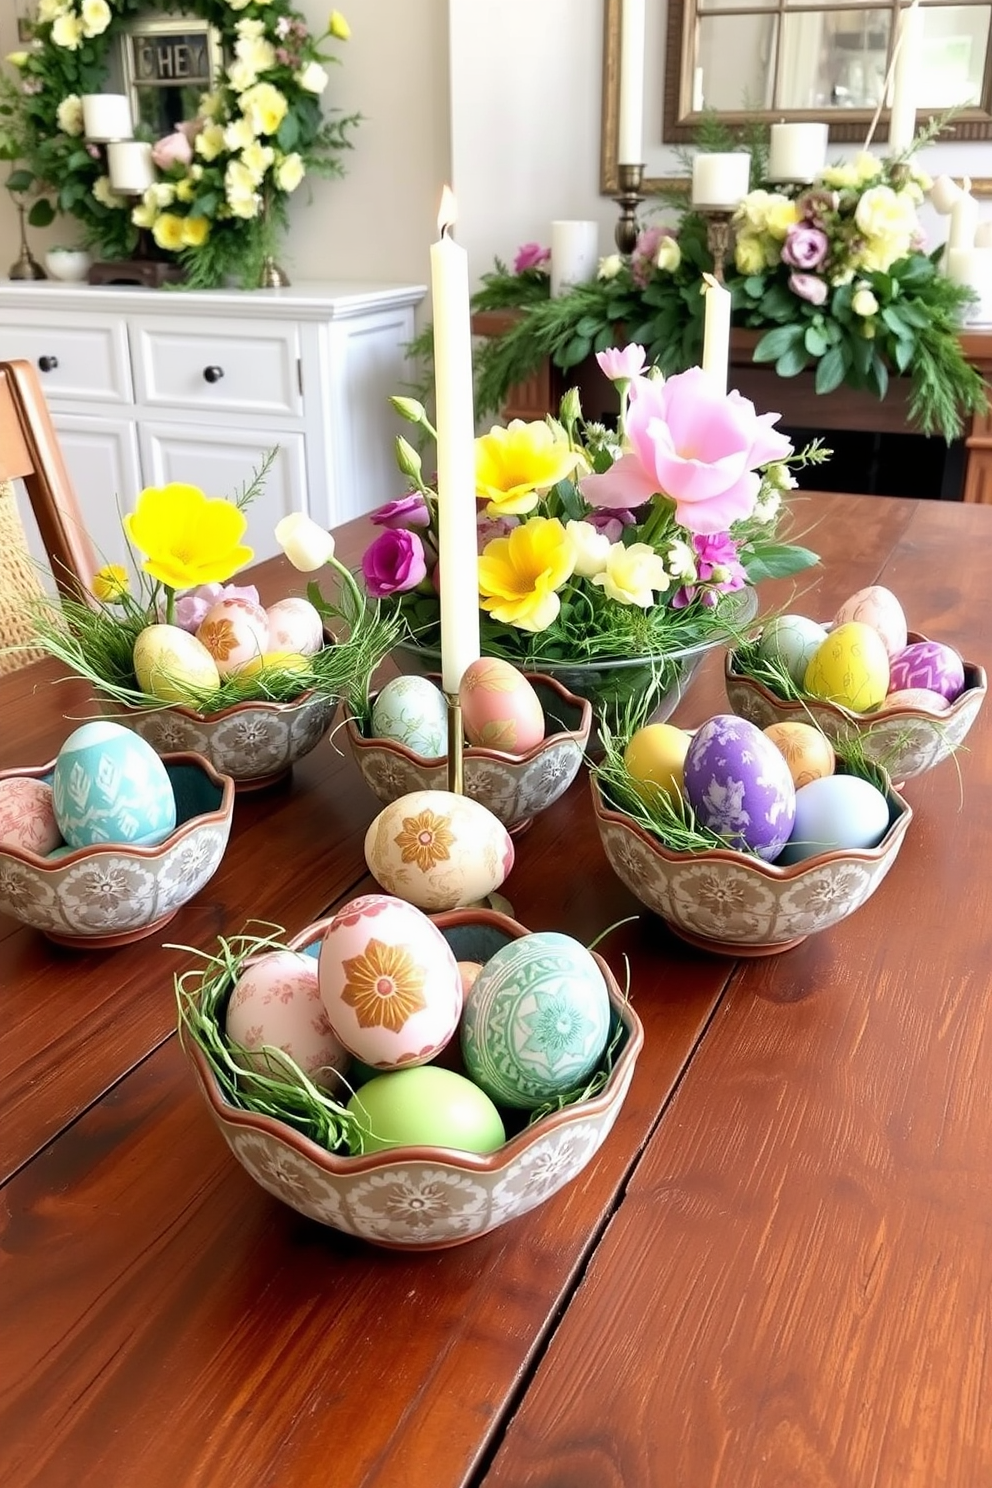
{"x":87,"y":360}
{"x":240,"y":366}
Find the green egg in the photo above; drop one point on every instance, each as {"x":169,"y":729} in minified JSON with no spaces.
{"x":426,"y":1107}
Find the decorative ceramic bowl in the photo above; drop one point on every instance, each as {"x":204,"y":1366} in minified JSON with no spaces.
{"x":69,"y":264}
{"x":256,"y":743}
{"x":111,"y":894}
{"x":514,"y":787}
{"x":904,"y":740}
{"x":429,"y":1198}
{"x":739,"y":905}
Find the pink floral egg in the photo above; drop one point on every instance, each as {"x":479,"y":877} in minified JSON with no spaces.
{"x":878,"y":607}
{"x":500,"y":709}
{"x":389,"y":982}
{"x":928,"y":664}
{"x":276,"y":1003}
{"x":27,"y":815}
{"x":234,"y":631}
{"x":920,"y":698}
{"x":295,"y":625}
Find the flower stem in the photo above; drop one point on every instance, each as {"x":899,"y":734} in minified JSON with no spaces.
{"x":170,"y":604}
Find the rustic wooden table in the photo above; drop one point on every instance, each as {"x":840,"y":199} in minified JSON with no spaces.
{"x":777,"y":1270}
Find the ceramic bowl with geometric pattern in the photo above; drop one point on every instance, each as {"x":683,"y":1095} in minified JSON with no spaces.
{"x":112,"y":893}
{"x":430,"y":1198}
{"x":735,"y":904}
{"x":514,"y":787}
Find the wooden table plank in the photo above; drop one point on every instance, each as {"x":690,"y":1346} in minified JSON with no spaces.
{"x":797,"y":1286}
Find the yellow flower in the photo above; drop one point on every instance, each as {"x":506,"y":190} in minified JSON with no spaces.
{"x":519,"y":574}
{"x":168,"y":232}
{"x":264,"y":107}
{"x":196,"y":230}
{"x":633,"y":574}
{"x":185,"y":189}
{"x":17,"y":59}
{"x":187,"y":538}
{"x":312,"y":78}
{"x":105,"y":193}
{"x":110,"y":584}
{"x":337,"y":26}
{"x":782,"y":214}
{"x":256,"y":159}
{"x":144,"y":214}
{"x":237,"y":134}
{"x":96,"y":17}
{"x":289,"y":172}
{"x":67,"y":32}
{"x":749,"y":256}
{"x":513,"y":465}
{"x":209,"y":142}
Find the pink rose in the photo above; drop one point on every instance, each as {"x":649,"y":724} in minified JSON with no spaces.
{"x":642,"y":260}
{"x":695,"y":445}
{"x":808,"y":287}
{"x":531,"y":256}
{"x":805,"y":247}
{"x":172,"y":149}
{"x":394,"y":563}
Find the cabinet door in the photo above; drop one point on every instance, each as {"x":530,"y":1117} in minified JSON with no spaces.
{"x":221,"y":462}
{"x":102,"y":456}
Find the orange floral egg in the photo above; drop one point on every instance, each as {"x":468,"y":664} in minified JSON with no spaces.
{"x":234,"y":631}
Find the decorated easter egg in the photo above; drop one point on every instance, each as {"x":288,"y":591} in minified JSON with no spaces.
{"x":917,"y":697}
{"x":739,"y":785}
{"x":878,"y":607}
{"x":27,"y":815}
{"x":275,"y":1005}
{"x":413,"y":712}
{"x":536,"y":1021}
{"x":276,"y":661}
{"x":839,"y":811}
{"x":438,"y":850}
{"x":109,"y":785}
{"x":234,"y":631}
{"x":173,"y":665}
{"x":851,"y":667}
{"x":426,"y":1107}
{"x":655,"y":760}
{"x":790,"y":641}
{"x":295,"y":625}
{"x":500,"y":709}
{"x":389,"y":982}
{"x":928,"y":664}
{"x":808,"y":753}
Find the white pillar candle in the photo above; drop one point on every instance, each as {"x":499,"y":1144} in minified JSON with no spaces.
{"x":973,"y":267}
{"x":455,"y":417}
{"x":796,"y":152}
{"x":716,"y":331}
{"x":129,"y":164}
{"x":943,"y":194}
{"x":107,"y":116}
{"x":574,"y":254}
{"x":720,"y":181}
{"x":964,"y":219}
{"x":905,"y":79}
{"x":630,"y":141}
{"x":983,"y":234}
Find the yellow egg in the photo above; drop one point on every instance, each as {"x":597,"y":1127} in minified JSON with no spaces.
{"x":851,"y":667}
{"x":173,"y":665}
{"x":808,"y":753}
{"x":283,"y":661}
{"x":655,"y":757}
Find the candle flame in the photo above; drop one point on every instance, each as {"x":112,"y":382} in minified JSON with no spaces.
{"x":447,"y":212}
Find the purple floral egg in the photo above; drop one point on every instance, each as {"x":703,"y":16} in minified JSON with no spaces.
{"x":928,"y":664}
{"x":738,"y":784}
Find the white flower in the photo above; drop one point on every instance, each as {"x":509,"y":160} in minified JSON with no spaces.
{"x":669,"y":255}
{"x":680,"y":560}
{"x":96,"y":17}
{"x":239,"y":189}
{"x":50,"y":10}
{"x":307,"y":546}
{"x":210,"y":105}
{"x":161,"y":194}
{"x":70,"y":114}
{"x":610,"y":266}
{"x":248,"y":27}
{"x":863,"y":301}
{"x":312,"y":78}
{"x":591,"y":548}
{"x":238,"y":4}
{"x":264,"y":107}
{"x":238,"y":134}
{"x":256,"y":52}
{"x":105,"y":193}
{"x":633,"y":574}
{"x":256,"y":159}
{"x":67,"y":32}
{"x":289,"y":172}
{"x":241,"y":75}
{"x":144,"y":214}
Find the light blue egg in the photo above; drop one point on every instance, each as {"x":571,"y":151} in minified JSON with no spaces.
{"x":109,"y":785}
{"x":413,"y":712}
{"x":835,"y":813}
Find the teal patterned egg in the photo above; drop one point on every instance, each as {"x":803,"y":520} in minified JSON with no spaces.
{"x":413,"y":712}
{"x":110,"y":786}
{"x":536,"y":1021}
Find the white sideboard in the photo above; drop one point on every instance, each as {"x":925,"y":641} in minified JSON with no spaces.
{"x":150,"y":386}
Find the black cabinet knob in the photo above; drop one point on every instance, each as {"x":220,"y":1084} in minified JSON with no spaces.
{"x":48,"y":363}
{"x":213,"y":374}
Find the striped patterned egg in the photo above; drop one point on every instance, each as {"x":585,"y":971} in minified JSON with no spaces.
{"x":928,"y":664}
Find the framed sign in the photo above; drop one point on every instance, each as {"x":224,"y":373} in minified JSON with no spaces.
{"x":167,"y":64}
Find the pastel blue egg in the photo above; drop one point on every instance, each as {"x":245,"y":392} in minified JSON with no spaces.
{"x":413,"y":712}
{"x":109,"y":785}
{"x":791,"y":641}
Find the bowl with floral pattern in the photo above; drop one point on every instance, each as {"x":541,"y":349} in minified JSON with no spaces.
{"x":428,"y":1198}
{"x":113,"y":893}
{"x":514,"y":787}
{"x":732,"y":902}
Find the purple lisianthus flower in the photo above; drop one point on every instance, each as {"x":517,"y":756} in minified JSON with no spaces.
{"x":717,"y":568}
{"x":642,"y":260}
{"x":805,"y":247}
{"x":394,"y":563}
{"x":487,"y":528}
{"x":611,"y":523}
{"x":531,"y":256}
{"x":192,"y":606}
{"x":407,"y":511}
{"x":808,"y":287}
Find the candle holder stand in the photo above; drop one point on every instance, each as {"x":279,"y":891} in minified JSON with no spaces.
{"x":26,"y":267}
{"x":456,"y":746}
{"x":628,"y":200}
{"x":717,"y":236}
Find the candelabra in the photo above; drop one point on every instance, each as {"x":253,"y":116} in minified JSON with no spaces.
{"x":717,"y":236}
{"x":456,"y":749}
{"x":628,"y":200}
{"x":26,"y":266}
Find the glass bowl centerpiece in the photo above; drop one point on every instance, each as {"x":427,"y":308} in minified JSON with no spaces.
{"x":609,"y":559}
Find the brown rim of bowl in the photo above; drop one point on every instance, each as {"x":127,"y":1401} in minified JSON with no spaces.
{"x":975,"y":680}
{"x":268,"y":704}
{"x":220,"y":814}
{"x":471,"y":1162}
{"x":579,"y":735}
{"x":777,"y":872}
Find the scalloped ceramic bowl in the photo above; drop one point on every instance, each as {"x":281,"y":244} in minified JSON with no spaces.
{"x":514,"y":787}
{"x":111,"y":894}
{"x":736,"y":904}
{"x":905,"y":741}
{"x":256,"y":742}
{"x":429,"y":1198}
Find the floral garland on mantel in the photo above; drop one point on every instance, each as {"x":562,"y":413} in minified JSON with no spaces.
{"x":224,"y":178}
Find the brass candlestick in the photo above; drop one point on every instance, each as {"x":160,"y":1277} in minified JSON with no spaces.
{"x":628,"y":200}
{"x":456,"y":757}
{"x":26,"y":267}
{"x":717,"y":236}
